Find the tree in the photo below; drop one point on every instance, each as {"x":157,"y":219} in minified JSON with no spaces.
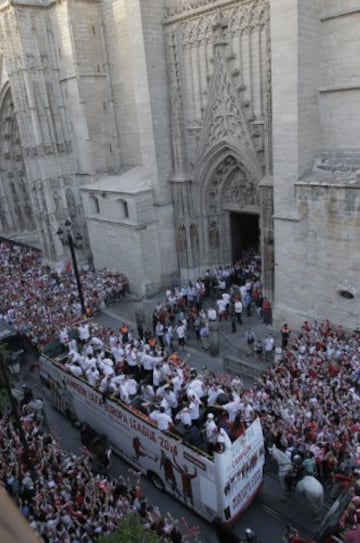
{"x":131,"y":530}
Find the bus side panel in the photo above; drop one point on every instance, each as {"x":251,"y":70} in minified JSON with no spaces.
{"x":239,"y":472}
{"x":187,"y":474}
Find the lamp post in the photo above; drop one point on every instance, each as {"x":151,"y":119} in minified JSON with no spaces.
{"x":69,"y":240}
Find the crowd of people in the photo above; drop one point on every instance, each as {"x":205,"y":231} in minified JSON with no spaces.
{"x":308,"y":400}
{"x":58,"y":493}
{"x":162,"y":386}
{"x":36,"y":300}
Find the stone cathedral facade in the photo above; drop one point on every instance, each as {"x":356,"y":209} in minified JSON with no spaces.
{"x":175,"y":133}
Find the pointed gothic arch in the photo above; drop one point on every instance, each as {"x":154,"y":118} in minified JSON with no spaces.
{"x":229,"y":183}
{"x":15,"y":209}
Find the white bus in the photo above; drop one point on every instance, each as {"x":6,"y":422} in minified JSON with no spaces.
{"x":219,"y":486}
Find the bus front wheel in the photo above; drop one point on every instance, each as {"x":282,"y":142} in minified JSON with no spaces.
{"x":156,"y":481}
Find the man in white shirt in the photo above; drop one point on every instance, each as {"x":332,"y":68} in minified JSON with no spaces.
{"x":162,"y":419}
{"x":238,"y":308}
{"x":194,"y":406}
{"x":180,"y":333}
{"x":232,"y":407}
{"x":131,"y":386}
{"x":84,"y":332}
{"x":105,"y":368}
{"x":97,"y":343}
{"x":92,"y":375}
{"x":118,"y":353}
{"x":105,"y":384}
{"x":75,"y":369}
{"x":184,"y":416}
{"x":211,"y":314}
{"x":116,"y":382}
{"x":210,"y":431}
{"x":222,"y":440}
{"x":269,"y":344}
{"x":221,"y":309}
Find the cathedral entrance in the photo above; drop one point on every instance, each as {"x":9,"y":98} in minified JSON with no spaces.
{"x":245,"y":233}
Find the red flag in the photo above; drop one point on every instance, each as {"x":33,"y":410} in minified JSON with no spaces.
{"x":68,"y":267}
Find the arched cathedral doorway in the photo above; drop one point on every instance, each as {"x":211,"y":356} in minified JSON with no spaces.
{"x":232,"y":212}
{"x":245,"y":233}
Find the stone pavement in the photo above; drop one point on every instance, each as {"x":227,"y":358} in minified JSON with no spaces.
{"x":233,"y":352}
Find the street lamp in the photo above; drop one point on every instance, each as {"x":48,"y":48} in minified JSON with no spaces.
{"x":69,"y":240}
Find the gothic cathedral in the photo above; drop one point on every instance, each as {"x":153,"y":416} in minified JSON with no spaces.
{"x":177,"y":133}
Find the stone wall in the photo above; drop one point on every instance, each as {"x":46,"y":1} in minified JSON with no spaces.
{"x":316,"y":157}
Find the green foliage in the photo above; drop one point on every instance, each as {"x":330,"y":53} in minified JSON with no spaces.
{"x":131,"y":530}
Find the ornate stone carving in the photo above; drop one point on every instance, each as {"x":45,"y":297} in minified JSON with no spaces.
{"x":194,"y":237}
{"x":177,"y":128}
{"x":241,"y":190}
{"x":214,"y":236}
{"x":237,"y":18}
{"x":225,"y":118}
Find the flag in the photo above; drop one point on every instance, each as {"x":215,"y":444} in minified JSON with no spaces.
{"x":68,"y":267}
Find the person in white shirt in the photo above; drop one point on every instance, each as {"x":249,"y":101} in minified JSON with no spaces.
{"x":269,"y":344}
{"x":132,"y":364}
{"x":75,"y":369}
{"x":238,"y":308}
{"x":75,"y":357}
{"x":116,"y":382}
{"x":118,"y":353}
{"x":72,"y":346}
{"x":162,"y":419}
{"x":92,"y":375}
{"x":170,"y":396}
{"x":131,"y":386}
{"x":194,"y":406}
{"x":211,"y":314}
{"x":233,"y":407}
{"x":222,"y":440}
{"x":184,"y":416}
{"x":181,"y":333}
{"x":210,"y":432}
{"x":165,"y":369}
{"x":105,"y":368}
{"x":148,"y":362}
{"x":84,"y":332}
{"x":107,"y":360}
{"x":88,"y":350}
{"x":148,"y":393}
{"x":123,"y":393}
{"x":197,"y":387}
{"x":105,"y":384}
{"x":97,"y":343}
{"x":221,"y":309}
{"x":157,"y":376}
{"x":226,"y":297}
{"x":213,"y":393}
